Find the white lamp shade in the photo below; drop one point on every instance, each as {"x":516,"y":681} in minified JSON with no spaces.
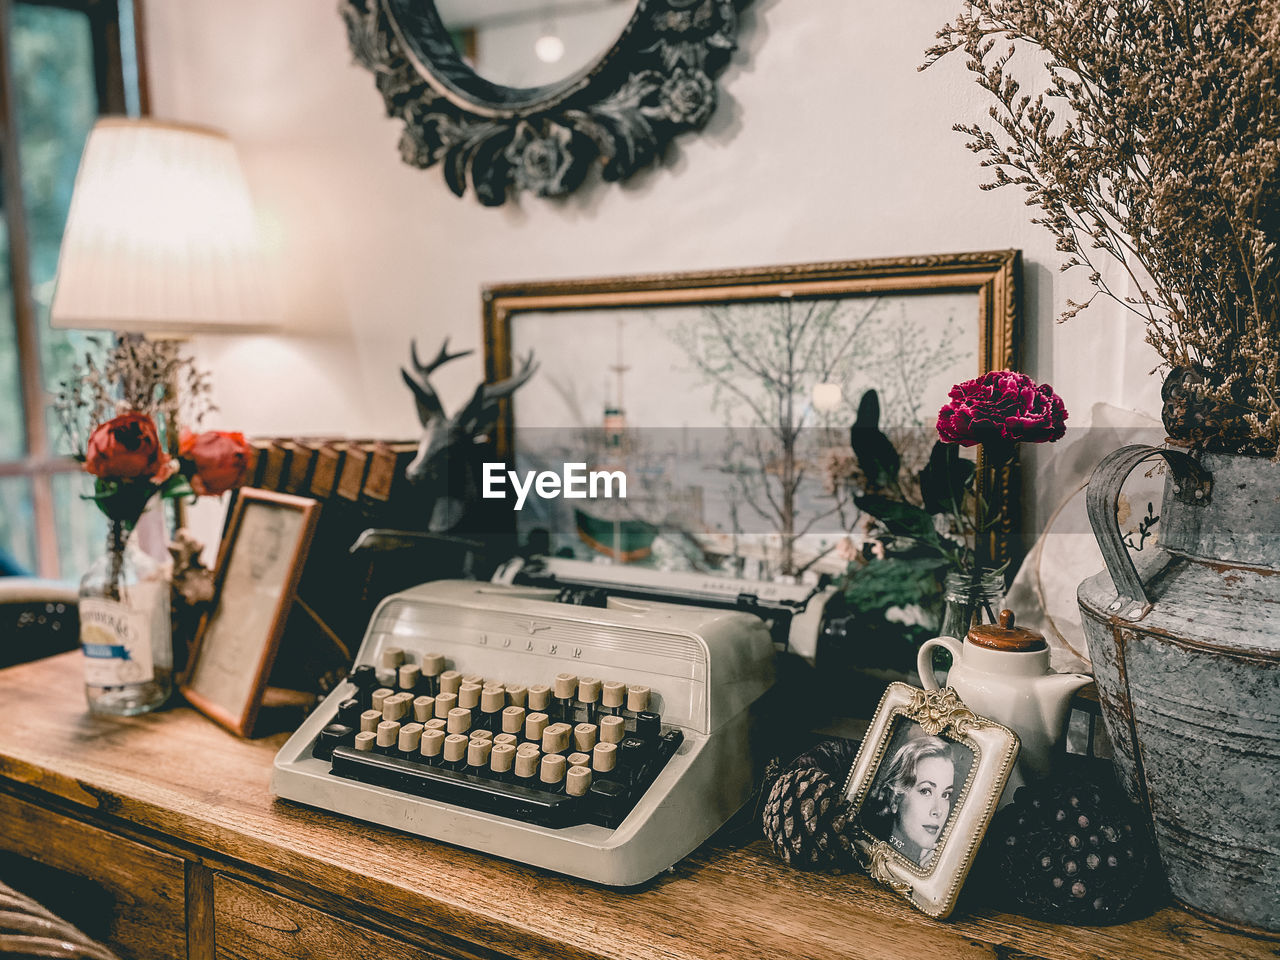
{"x":826,"y":397}
{"x":161,"y":236}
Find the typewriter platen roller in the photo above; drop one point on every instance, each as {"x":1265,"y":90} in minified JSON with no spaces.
{"x":603,"y":742}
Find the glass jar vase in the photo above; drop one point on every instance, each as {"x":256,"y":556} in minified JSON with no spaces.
{"x":971,"y":597}
{"x":124,"y":629}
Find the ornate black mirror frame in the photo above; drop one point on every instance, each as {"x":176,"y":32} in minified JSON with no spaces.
{"x":656,"y":81}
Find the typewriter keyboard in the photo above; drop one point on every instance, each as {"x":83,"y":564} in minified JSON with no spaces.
{"x":576,"y":750}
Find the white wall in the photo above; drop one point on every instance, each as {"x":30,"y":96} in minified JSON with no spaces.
{"x":828,"y":144}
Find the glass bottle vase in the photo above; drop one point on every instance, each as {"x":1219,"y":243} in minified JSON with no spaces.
{"x":124,"y":629}
{"x":971,"y":597}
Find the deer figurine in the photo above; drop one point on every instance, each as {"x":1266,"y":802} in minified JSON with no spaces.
{"x":448,"y":462}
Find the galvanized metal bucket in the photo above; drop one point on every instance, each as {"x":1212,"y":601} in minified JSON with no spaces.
{"x":1186,"y":653}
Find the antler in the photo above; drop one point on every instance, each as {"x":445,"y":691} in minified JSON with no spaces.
{"x":429,"y":404}
{"x":504,"y":388}
{"x":443,"y":357}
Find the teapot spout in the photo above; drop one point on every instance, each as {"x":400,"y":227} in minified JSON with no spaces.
{"x":1055,"y":692}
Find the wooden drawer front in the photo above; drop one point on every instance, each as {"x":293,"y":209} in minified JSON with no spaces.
{"x":128,"y":896}
{"x":252,"y":924}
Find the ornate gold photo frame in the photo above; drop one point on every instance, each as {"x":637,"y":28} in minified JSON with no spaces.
{"x":923,"y":790}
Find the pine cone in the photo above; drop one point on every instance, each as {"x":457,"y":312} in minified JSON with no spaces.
{"x":805,"y":819}
{"x":1068,"y":850}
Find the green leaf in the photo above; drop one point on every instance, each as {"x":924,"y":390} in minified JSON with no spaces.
{"x":900,"y":519}
{"x":945,"y":479}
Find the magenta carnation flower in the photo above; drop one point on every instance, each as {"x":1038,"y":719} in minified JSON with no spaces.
{"x":1002,"y":405}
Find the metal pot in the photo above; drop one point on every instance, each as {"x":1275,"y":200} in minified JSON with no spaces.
{"x":1186,"y":652}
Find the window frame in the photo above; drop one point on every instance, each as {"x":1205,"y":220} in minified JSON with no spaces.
{"x":38,"y":462}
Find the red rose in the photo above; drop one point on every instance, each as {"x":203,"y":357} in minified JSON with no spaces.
{"x":219,"y":458}
{"x":1002,"y":405}
{"x":125,"y":448}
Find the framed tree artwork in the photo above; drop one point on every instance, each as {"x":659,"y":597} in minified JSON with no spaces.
{"x":725,"y":398}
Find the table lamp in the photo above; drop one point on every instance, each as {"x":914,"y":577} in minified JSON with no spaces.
{"x":161,"y":235}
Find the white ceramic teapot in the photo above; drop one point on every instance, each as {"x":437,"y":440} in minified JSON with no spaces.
{"x":1002,"y":673}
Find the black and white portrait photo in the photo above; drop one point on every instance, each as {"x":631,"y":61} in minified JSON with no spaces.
{"x":915,"y":792}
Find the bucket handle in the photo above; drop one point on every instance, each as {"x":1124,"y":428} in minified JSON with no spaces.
{"x":1192,"y":483}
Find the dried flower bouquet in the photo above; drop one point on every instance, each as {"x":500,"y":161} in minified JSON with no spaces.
{"x":1155,"y":143}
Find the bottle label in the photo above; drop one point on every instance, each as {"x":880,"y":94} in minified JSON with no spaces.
{"x":116,"y":642}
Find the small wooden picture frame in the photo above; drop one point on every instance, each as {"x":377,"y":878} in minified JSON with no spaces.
{"x":259,"y":564}
{"x":923,"y":789}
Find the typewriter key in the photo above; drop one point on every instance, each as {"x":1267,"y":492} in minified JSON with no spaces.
{"x":432,"y":746}
{"x":648,"y":725}
{"x":436,"y":724}
{"x":481,"y":735}
{"x":432,"y":667}
{"x":578,"y":760}
{"x":612,"y":729}
{"x":474,"y":678}
{"x":459,"y":720}
{"x":364,"y":678}
{"x":637,"y":698}
{"x":551,"y":771}
{"x":478,"y":753}
{"x":610,"y":801}
{"x":589,"y":696}
{"x":507,"y":738}
{"x":469,"y":695}
{"x":349,"y":711}
{"x":450,"y":680}
{"x":512,"y":720}
{"x":632,"y":755}
{"x":335,"y":734}
{"x":555,"y":738}
{"x":379,"y":697}
{"x":566,"y":688}
{"x":493,"y":701}
{"x":409,"y":675}
{"x":517,"y":695}
{"x":388,"y":736}
{"x":604,"y":757}
{"x":396,"y":707}
{"x":578,"y":781}
{"x":444,"y":703}
{"x":501,"y":759}
{"x":526,"y":765}
{"x":369,"y":720}
{"x":613,"y":695}
{"x":534,"y":725}
{"x":365,"y":741}
{"x":585,"y":736}
{"x":539,"y":697}
{"x":455,"y":751}
{"x":424,"y":708}
{"x":409,"y":738}
{"x":391,"y":658}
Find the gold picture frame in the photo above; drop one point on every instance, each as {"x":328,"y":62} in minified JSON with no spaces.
{"x":922,"y":791}
{"x":992,"y":278}
{"x":259,"y":564}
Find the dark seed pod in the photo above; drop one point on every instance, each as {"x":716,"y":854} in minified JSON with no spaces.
{"x":1067,"y":850}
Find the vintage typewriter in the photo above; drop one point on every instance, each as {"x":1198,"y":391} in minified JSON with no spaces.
{"x":592,"y":734}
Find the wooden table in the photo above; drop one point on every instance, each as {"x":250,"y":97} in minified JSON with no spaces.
{"x":169,"y":821}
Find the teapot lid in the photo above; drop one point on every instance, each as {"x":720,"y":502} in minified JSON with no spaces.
{"x":1005,"y":636}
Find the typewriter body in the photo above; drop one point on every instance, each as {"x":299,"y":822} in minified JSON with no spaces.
{"x":678,"y":768}
{"x":799,"y":617}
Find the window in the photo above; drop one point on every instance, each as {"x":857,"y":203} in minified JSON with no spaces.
{"x":62,"y":62}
